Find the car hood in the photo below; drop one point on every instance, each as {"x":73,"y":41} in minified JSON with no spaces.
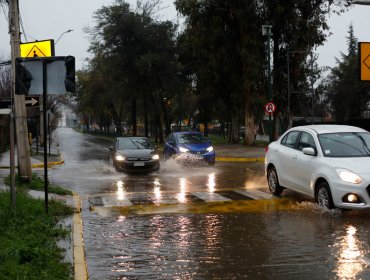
{"x":136,"y":153}
{"x":196,"y":147}
{"x":359,"y":165}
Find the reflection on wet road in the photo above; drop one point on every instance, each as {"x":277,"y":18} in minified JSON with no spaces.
{"x":304,"y":244}
{"x":166,"y":227}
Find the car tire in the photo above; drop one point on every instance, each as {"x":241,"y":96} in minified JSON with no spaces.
{"x":273,"y":182}
{"x":323,"y":196}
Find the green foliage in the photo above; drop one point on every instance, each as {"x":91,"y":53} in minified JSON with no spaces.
{"x":144,"y":71}
{"x":133,"y":75}
{"x":28,"y":236}
{"x":37,"y":184}
{"x":347,"y":95}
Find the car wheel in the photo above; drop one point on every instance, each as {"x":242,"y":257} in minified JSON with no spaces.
{"x":323,"y":196}
{"x":273,"y":182}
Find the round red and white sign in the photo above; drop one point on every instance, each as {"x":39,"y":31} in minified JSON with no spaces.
{"x":270,"y":108}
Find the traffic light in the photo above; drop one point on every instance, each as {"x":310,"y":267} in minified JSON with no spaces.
{"x":70,"y":74}
{"x":23,"y":78}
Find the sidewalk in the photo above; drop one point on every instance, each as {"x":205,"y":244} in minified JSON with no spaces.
{"x":37,"y":157}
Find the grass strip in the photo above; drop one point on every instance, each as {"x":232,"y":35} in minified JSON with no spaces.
{"x":28,"y":238}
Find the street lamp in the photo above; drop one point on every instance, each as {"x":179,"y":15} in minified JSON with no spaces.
{"x":61,"y":35}
{"x":266,"y":30}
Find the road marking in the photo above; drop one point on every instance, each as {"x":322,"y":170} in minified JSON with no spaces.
{"x":255,"y":194}
{"x":113,"y":201}
{"x":208,"y":196}
{"x":160,"y":199}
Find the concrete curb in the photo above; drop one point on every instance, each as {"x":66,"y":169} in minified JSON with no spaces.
{"x":220,"y":159}
{"x":41,"y":165}
{"x":79,"y":258}
{"x":230,"y":159}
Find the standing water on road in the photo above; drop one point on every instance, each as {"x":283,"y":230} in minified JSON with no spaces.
{"x":299,"y":241}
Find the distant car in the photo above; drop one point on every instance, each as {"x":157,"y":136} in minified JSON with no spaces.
{"x":189,"y":147}
{"x":134,"y":154}
{"x":330,"y":163}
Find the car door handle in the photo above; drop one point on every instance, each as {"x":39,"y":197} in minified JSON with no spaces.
{"x":295,"y":157}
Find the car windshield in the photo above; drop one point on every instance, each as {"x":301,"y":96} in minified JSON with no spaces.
{"x":134,"y":144}
{"x":191,"y":138}
{"x":345,"y":144}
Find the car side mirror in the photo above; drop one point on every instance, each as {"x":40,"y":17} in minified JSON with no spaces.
{"x":170,"y":143}
{"x":110,"y":148}
{"x":309,"y":151}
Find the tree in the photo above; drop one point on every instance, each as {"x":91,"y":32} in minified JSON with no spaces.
{"x":297,"y":25}
{"x":224,"y":51}
{"x":5,"y":81}
{"x":134,"y":64}
{"x":349,"y":96}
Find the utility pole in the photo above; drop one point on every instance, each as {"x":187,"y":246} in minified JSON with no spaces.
{"x":23,"y":148}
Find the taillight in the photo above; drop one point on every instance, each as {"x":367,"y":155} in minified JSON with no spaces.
{"x":266,"y":149}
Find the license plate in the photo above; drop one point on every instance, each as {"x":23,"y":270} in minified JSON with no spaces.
{"x":139,"y":163}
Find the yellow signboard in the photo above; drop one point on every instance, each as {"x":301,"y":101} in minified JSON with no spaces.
{"x":364,"y":56}
{"x":37,"y":49}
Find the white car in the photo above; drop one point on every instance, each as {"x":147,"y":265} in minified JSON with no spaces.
{"x":330,"y":163}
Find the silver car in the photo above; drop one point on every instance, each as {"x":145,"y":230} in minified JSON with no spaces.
{"x":134,"y":154}
{"x":330,"y":163}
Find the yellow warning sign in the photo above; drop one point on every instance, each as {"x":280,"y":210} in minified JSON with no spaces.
{"x":37,"y":49}
{"x":364,"y":55}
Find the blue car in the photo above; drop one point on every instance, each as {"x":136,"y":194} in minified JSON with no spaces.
{"x":189,"y":146}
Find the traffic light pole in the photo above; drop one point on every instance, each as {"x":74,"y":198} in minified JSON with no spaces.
{"x":21,"y":132}
{"x":44,"y":100}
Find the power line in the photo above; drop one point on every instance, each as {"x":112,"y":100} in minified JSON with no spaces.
{"x":21,"y":22}
{"x":22,"y":27}
{"x":5,"y":63}
{"x":3,"y":7}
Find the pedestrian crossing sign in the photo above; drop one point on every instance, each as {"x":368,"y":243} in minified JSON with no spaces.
{"x":364,"y":60}
{"x":43,"y":48}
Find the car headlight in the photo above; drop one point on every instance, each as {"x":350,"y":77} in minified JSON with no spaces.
{"x":348,"y":176}
{"x":155,"y":157}
{"x":210,"y":149}
{"x":183,"y":150}
{"x":120,"y":158}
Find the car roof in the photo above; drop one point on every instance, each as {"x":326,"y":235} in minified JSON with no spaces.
{"x":330,"y":128}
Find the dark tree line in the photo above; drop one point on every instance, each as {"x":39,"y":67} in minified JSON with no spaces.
{"x":150,"y":74}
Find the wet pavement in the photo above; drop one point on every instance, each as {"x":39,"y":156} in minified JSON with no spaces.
{"x":215,"y":222}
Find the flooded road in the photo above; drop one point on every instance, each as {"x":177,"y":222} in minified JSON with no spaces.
{"x":204,"y":223}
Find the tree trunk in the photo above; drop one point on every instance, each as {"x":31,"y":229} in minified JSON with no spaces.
{"x":206,"y":129}
{"x":146,"y":122}
{"x":133,"y":117}
{"x":249,"y":135}
{"x":234,"y":137}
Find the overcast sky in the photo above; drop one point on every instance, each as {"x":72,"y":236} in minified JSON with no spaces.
{"x":48,"y":19}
